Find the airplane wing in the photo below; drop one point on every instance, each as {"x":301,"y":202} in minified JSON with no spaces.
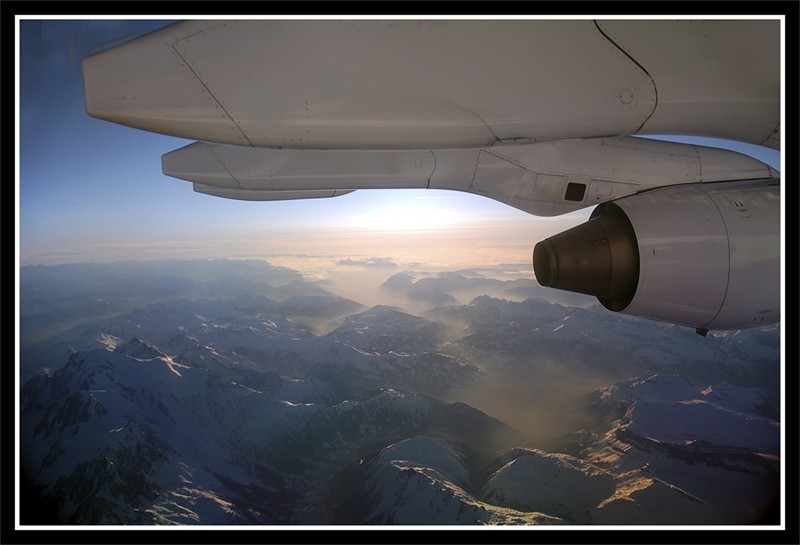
{"x":544,"y":179}
{"x":537,"y":114}
{"x":441,"y":84}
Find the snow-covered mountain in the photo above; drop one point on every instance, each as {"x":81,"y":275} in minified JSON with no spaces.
{"x":426,"y":481}
{"x":717,"y":450}
{"x":132,"y":435}
{"x":715,"y":470}
{"x":52,"y":297}
{"x":535,"y":332}
{"x":204,"y":404}
{"x":559,"y":484}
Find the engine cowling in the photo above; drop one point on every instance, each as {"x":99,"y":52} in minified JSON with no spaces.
{"x":705,"y":256}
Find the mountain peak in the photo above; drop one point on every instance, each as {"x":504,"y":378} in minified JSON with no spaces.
{"x":140,"y":350}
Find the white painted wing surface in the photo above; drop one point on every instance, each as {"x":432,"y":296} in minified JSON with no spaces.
{"x":441,"y":84}
{"x":544,"y":179}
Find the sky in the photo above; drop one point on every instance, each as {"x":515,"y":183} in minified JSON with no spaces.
{"x":90,"y":190}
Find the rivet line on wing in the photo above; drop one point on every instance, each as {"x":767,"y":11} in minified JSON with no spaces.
{"x":211,"y":149}
{"x":507,"y":159}
{"x":208,"y":90}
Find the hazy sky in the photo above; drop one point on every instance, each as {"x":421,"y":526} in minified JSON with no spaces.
{"x":90,"y":190}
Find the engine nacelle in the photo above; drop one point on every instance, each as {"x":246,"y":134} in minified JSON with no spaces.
{"x":705,"y":256}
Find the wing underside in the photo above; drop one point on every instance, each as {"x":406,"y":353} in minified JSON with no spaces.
{"x":544,"y":179}
{"x":442,"y":84}
{"x":532,"y":113}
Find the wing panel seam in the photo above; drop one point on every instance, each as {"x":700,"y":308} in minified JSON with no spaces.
{"x":222,"y":164}
{"x":642,"y":68}
{"x":203,"y":83}
{"x":507,"y":159}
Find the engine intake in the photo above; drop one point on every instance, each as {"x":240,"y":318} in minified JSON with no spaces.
{"x":702,"y":255}
{"x":599,"y":257}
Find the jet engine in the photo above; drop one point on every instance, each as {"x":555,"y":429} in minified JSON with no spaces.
{"x":705,"y":256}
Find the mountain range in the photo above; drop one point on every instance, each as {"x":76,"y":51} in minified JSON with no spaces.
{"x":235,"y":392}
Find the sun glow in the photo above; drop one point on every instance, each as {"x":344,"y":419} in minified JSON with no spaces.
{"x":406,"y":215}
